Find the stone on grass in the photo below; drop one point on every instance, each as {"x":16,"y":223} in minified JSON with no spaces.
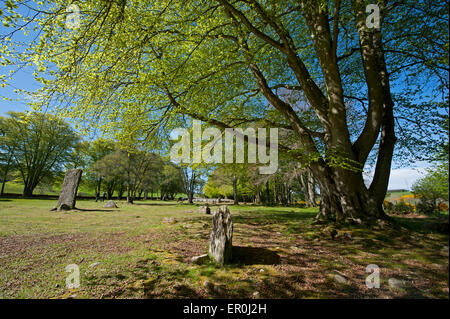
{"x":110,"y":204}
{"x":199,"y":260}
{"x":397,"y":283}
{"x":220,"y":246}
{"x":212,"y":288}
{"x":204,"y":210}
{"x":340,"y":279}
{"x":68,"y":195}
{"x":255,"y":294}
{"x":94,"y":265}
{"x":169,"y":220}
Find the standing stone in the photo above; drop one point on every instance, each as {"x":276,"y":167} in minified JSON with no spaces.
{"x":68,"y":195}
{"x":220,"y":247}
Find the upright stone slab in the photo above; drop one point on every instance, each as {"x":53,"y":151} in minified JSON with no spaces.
{"x":68,"y":195}
{"x":220,"y":247}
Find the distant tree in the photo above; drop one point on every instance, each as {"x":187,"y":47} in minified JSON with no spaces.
{"x":433,"y":188}
{"x":97,"y":150}
{"x":41,"y":145}
{"x":171,"y":181}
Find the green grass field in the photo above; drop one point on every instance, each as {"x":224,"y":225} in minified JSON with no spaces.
{"x":129,"y":253}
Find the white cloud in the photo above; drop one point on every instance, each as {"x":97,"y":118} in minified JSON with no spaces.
{"x":402,"y":178}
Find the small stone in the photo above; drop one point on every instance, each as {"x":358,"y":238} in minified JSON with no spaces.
{"x":57,"y":286}
{"x":94,"y":265}
{"x":199,"y":260}
{"x":255,"y":294}
{"x":343,"y":235}
{"x":218,"y":289}
{"x":340,"y":279}
{"x":110,"y":204}
{"x":397,"y":283}
{"x":169,"y":220}
{"x":208,"y":285}
{"x":439,"y":266}
{"x":261,"y":270}
{"x":212,"y":288}
{"x":204,"y":210}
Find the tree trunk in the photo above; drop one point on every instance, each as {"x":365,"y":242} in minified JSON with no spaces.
{"x":351,"y":201}
{"x":129,"y":197}
{"x":310,"y":185}
{"x":5,"y":175}
{"x":28,"y":191}
{"x":236,"y":201}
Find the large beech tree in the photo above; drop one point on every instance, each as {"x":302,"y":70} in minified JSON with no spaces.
{"x":312,"y":67}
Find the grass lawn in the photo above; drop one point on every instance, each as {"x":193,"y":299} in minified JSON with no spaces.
{"x":129,"y":253}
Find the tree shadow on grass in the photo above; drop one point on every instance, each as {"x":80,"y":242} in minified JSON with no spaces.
{"x":272,"y":216}
{"x":424,"y":225}
{"x":254,"y":256}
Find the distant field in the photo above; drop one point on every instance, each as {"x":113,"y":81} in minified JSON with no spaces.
{"x":129,"y":253}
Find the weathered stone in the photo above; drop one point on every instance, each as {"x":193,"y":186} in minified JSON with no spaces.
{"x":94,"y":264}
{"x":220,"y":247}
{"x":255,"y":294}
{"x":110,"y":204}
{"x":204,"y":210}
{"x":199,"y":260}
{"x":68,"y":196}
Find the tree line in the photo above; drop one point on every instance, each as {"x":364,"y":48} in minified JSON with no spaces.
{"x":37,"y":149}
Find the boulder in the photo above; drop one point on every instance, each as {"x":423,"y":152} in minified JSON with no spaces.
{"x":110,"y":204}
{"x":68,"y":195}
{"x":220,"y":246}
